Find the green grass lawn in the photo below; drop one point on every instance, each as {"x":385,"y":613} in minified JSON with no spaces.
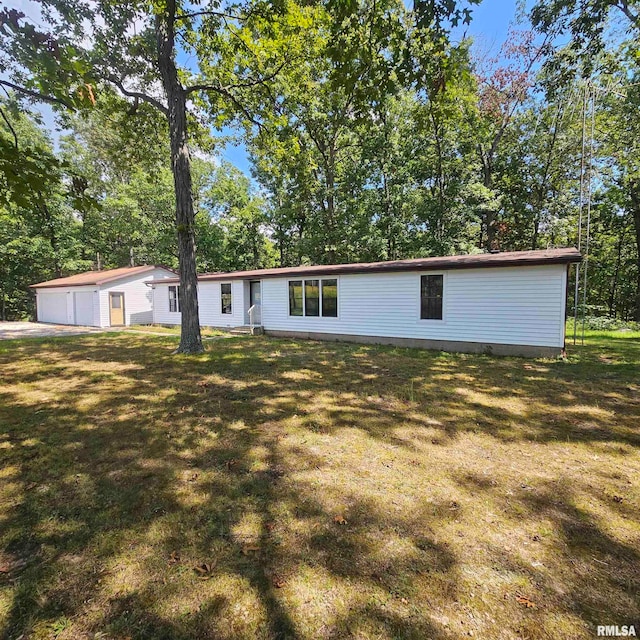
{"x":289,"y":489}
{"x":172,"y":330}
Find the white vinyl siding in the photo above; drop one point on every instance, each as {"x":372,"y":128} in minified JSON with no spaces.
{"x":506,"y":305}
{"x":138,"y":297}
{"x":209,"y":303}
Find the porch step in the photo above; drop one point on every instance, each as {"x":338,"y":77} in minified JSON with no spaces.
{"x":246,"y":329}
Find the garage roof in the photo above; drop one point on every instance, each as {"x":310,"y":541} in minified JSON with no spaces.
{"x":501,"y":259}
{"x":89,"y":278}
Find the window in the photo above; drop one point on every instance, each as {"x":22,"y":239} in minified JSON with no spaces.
{"x":295,"y":298}
{"x":431,"y":289}
{"x":330,"y":298}
{"x":174,"y":299}
{"x":314,"y":298}
{"x":225,"y":294}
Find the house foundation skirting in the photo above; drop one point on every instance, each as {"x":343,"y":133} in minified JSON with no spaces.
{"x":488,"y":348}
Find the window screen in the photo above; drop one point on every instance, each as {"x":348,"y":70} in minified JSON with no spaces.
{"x":295,"y":298}
{"x":311,"y":297}
{"x":330,"y":298}
{"x":225,"y":294}
{"x":174,"y":299}
{"x":431,"y":289}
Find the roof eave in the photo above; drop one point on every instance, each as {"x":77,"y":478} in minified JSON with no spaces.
{"x":432,"y":265}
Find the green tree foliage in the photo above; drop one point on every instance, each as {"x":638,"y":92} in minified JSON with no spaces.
{"x":39,"y":208}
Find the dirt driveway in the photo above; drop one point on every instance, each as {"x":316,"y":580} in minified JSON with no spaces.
{"x":13,"y":330}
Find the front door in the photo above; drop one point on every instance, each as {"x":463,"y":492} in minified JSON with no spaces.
{"x":255,"y":299}
{"x":116,"y":309}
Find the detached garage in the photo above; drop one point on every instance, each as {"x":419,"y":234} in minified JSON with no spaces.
{"x":116,"y":297}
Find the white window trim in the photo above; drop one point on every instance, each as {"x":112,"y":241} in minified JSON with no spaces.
{"x":444,"y":298}
{"x":304,"y":298}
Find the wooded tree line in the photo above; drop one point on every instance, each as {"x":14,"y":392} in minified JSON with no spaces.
{"x":372,"y":134}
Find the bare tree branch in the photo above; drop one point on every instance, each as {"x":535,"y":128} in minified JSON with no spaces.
{"x":138,"y":94}
{"x":36,"y":94}
{"x":219,"y":14}
{"x":224,"y":91}
{"x":13,"y":131}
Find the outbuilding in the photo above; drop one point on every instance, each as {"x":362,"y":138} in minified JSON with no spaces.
{"x":110,"y":298}
{"x":500,"y":303}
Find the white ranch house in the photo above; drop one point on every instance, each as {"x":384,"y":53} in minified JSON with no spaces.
{"x":500,"y":303}
{"x":115,"y":297}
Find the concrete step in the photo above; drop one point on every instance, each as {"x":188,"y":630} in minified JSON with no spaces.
{"x":257,"y":330}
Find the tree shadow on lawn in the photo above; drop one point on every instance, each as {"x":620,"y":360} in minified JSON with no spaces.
{"x":99,"y":532}
{"x":131,"y":467}
{"x":566,"y":558}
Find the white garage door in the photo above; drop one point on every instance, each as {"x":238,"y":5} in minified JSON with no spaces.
{"x":83,"y":307}
{"x":52,"y":307}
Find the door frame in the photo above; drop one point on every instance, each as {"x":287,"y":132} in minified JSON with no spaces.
{"x":124,"y":316}
{"x":251,"y":301}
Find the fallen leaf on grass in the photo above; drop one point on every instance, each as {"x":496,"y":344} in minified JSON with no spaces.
{"x":278,"y":583}
{"x":270,"y":526}
{"x":339,"y":520}
{"x":523,"y":600}
{"x":248,"y":549}
{"x":174,"y":558}
{"x":204,"y":570}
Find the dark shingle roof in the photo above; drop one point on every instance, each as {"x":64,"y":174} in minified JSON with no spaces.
{"x":475,"y":261}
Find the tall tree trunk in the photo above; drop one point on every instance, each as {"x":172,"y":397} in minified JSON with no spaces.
{"x":616,"y":275}
{"x":636,"y":222}
{"x":331,"y":206}
{"x":536,"y":232}
{"x":489,"y":225}
{"x":634,"y":194}
{"x":49,"y":226}
{"x":190,"y":339}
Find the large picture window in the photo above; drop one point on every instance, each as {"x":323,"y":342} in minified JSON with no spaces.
{"x":431,"y":291}
{"x":314,"y":298}
{"x":174,"y":299}
{"x":225,"y":295}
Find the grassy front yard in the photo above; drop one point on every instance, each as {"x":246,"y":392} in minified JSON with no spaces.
{"x":281,"y":489}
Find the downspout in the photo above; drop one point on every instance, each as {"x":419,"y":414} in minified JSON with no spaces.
{"x":566,"y":310}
